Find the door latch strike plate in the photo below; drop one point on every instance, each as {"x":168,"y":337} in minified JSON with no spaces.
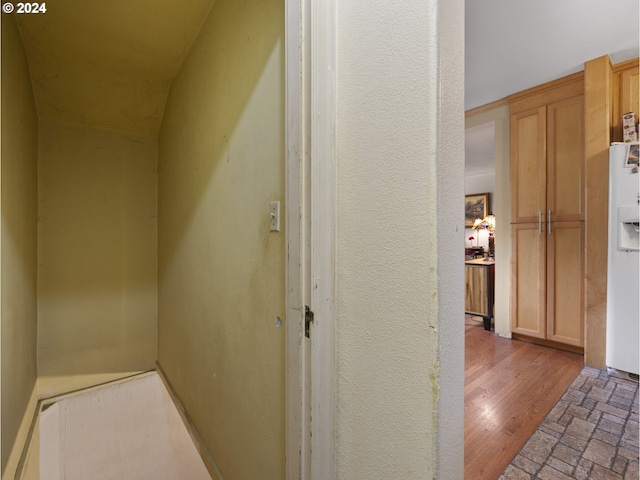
{"x":308,"y":318}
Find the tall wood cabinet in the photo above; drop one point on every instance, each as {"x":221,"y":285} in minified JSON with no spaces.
{"x":548,"y":212}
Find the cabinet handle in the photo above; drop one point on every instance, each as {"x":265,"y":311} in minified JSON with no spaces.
{"x":539,"y":223}
{"x":548,"y":222}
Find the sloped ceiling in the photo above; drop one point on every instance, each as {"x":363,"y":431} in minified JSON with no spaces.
{"x":109,"y":63}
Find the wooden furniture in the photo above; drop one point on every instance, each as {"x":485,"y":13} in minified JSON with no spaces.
{"x":479,"y":289}
{"x":626,"y":93}
{"x":548,"y":212}
{"x":473,"y":252}
{"x":610,"y":91}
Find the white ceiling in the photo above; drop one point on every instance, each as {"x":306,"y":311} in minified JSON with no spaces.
{"x":512,"y":45}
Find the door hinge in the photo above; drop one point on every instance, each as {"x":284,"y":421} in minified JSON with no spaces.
{"x":308,"y":318}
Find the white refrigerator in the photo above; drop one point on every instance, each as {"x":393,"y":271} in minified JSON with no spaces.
{"x":623,"y":270}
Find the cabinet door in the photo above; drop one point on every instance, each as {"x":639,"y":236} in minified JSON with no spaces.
{"x":565,"y":160}
{"x":547,"y":194}
{"x":626,"y":88}
{"x":476,"y":290}
{"x":528,"y":165}
{"x":528,"y":271}
{"x":630,"y":91}
{"x":565,"y":283}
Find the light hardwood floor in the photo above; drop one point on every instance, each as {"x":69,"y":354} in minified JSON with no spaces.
{"x":510,"y":387}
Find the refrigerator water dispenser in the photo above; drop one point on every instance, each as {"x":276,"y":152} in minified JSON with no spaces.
{"x":629,"y":227}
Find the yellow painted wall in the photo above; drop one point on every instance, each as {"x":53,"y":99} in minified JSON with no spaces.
{"x":18,"y":236}
{"x":221,"y":271}
{"x":97,"y":237}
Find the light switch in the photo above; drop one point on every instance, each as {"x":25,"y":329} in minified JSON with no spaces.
{"x":274,"y":208}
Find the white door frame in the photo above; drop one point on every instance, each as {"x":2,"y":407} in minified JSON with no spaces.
{"x":310,"y":81}
{"x":323,"y":236}
{"x":296,"y":161}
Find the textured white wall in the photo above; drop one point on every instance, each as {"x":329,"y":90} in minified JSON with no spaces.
{"x":450,"y":117}
{"x":399,"y":240}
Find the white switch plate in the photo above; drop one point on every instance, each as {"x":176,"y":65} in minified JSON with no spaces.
{"x":274,"y":209}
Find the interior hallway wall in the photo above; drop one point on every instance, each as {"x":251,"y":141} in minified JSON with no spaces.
{"x":221,"y":271}
{"x":502,"y":210}
{"x":97,"y":255}
{"x":18,"y":237}
{"x":399,"y":241}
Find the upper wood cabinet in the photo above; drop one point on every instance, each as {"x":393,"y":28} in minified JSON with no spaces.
{"x":565,"y":159}
{"x":626,"y":94}
{"x":547,"y":153}
{"x":548,"y":212}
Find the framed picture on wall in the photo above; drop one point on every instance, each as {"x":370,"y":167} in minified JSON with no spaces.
{"x":475,"y":206}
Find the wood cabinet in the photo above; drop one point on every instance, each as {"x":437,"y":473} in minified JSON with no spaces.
{"x":626,"y":94}
{"x":548,"y":212}
{"x":479,"y":289}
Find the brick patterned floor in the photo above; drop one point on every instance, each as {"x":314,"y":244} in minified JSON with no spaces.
{"x":591,"y":433}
